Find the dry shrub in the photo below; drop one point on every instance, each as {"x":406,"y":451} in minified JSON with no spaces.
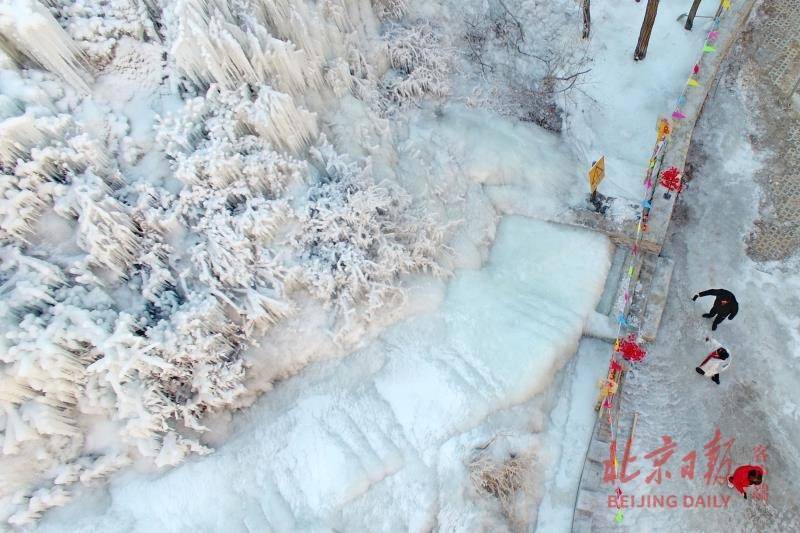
{"x":503,"y":480}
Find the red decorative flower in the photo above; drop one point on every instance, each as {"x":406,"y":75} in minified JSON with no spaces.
{"x":671,"y":179}
{"x":631,"y":351}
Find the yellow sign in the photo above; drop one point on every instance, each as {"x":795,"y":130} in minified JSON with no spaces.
{"x":597,"y":173}
{"x":664,"y":129}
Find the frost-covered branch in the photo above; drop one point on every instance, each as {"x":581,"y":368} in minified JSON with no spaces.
{"x":422,"y":65}
{"x":357,"y":237}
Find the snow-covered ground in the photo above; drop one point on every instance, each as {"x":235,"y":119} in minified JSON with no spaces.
{"x":616,"y":112}
{"x":569,"y":433}
{"x":737,"y":150}
{"x":205,"y":201}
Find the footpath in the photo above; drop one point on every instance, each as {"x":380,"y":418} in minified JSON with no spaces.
{"x":644,"y":275}
{"x":734,"y":227}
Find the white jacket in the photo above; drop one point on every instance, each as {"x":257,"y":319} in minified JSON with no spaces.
{"x":714,"y":365}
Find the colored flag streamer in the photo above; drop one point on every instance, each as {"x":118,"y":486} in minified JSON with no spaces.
{"x":625,"y":346}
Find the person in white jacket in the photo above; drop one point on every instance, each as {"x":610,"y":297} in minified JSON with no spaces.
{"x":715,"y":363}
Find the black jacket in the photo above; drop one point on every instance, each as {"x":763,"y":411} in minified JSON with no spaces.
{"x":730,"y":307}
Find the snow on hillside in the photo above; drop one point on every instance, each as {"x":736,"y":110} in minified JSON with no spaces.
{"x":206,"y":200}
{"x":616,"y":111}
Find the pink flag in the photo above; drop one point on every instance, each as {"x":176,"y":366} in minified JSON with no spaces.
{"x":696,"y":69}
{"x":677,"y":114}
{"x":712,"y":35}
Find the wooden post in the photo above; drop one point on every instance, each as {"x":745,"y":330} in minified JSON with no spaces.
{"x":647,"y":28}
{"x":633,"y":427}
{"x":692,"y":13}
{"x":629,"y":444}
{"x":587,"y":19}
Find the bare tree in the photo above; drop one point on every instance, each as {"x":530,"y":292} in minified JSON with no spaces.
{"x":647,"y":28}
{"x":692,"y":13}
{"x":587,"y":19}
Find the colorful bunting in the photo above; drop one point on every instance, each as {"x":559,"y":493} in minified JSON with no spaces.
{"x":671,"y":180}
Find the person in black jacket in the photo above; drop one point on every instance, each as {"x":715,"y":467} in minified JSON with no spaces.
{"x":725,"y":305}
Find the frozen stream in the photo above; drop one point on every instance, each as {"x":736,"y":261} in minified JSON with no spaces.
{"x":377,"y":440}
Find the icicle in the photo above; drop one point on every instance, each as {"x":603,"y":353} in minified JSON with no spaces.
{"x":32,"y":30}
{"x":17,"y":136}
{"x":103,"y":467}
{"x":16,"y":431}
{"x":13,"y":392}
{"x":275,"y":117}
{"x":41,"y":500}
{"x":48,"y":420}
{"x":337,"y":76}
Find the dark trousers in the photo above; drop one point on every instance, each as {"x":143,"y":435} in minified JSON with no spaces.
{"x":722,"y":313}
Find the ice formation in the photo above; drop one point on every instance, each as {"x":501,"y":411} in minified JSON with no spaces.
{"x":129,"y":294}
{"x":29,"y":31}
